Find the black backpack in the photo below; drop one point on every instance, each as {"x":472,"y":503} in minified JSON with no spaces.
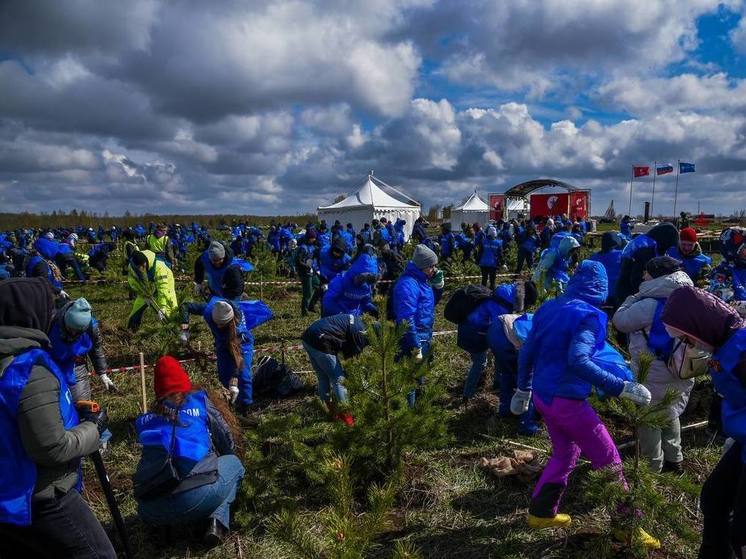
{"x":274,"y":380}
{"x":464,"y":300}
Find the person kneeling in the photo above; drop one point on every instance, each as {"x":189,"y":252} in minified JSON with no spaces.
{"x":188,"y":470}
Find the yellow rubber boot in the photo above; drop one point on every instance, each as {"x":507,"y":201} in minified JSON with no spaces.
{"x":557,"y":521}
{"x":642,"y":537}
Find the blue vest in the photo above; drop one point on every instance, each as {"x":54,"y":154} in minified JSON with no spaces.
{"x":225,"y":359}
{"x":191,"y":438}
{"x":730,"y":387}
{"x":660,"y":343}
{"x":639,"y":242}
{"x":214,"y":275}
{"x":32,"y":263}
{"x":64,"y":352}
{"x":18,"y":470}
{"x":692,"y":264}
{"x":612,"y":262}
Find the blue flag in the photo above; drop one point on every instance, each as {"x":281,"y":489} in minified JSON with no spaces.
{"x":686,"y":167}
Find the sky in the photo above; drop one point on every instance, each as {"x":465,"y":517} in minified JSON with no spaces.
{"x":272,"y":108}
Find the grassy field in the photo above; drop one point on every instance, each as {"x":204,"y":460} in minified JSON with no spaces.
{"x":447,"y":507}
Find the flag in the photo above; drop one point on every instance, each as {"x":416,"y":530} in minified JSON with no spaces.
{"x":641,"y":171}
{"x":686,"y":167}
{"x":664,"y":169}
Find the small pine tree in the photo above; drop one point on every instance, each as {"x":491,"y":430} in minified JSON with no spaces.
{"x":385,"y":426}
{"x":644,"y":503}
{"x":343,"y":530}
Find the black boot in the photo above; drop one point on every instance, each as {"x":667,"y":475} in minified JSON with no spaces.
{"x":673,"y":467}
{"x":215,"y":532}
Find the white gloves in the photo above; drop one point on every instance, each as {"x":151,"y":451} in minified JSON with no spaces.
{"x":64,"y":294}
{"x":417,"y":355}
{"x":520,"y":401}
{"x":161,"y":315}
{"x":108,"y":384}
{"x":197,"y":289}
{"x":184,"y":335}
{"x":233,"y":390}
{"x":637,"y":393}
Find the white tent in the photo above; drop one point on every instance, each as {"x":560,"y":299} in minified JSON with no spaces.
{"x":473,"y":210}
{"x":516,"y":206}
{"x":373,"y":200}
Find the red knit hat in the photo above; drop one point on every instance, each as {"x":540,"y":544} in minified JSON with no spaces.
{"x":688,"y":234}
{"x":170,"y":377}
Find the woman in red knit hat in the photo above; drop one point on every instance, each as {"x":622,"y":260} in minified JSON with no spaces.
{"x":696,"y":264}
{"x":188,"y":471}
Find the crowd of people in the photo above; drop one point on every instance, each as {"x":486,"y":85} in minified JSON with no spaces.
{"x":659,"y":290}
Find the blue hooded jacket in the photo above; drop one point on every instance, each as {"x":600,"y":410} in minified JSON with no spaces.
{"x":344,"y":297}
{"x":329,"y":266}
{"x":557,"y":357}
{"x":612,"y":263}
{"x":414,"y":302}
{"x":472,"y":334}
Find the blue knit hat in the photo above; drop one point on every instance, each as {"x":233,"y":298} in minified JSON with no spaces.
{"x":78,"y":316}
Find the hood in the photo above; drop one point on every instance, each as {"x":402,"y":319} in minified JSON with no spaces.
{"x":665,"y":236}
{"x":46,"y":247}
{"x":701,"y":315}
{"x":27,"y":303}
{"x":506,"y":295}
{"x":589,"y":283}
{"x":15,"y":340}
{"x":610,"y":240}
{"x":566,"y":245}
{"x":364,"y":264}
{"x":663,"y":286}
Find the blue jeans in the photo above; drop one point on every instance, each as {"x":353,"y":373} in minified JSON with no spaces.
{"x":207,"y":501}
{"x":478,"y":362}
{"x":329,"y":374}
{"x":412,"y":396}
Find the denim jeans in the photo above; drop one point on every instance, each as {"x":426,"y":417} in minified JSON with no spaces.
{"x":207,"y":501}
{"x":412,"y":395}
{"x":478,"y":362}
{"x":329,"y":374}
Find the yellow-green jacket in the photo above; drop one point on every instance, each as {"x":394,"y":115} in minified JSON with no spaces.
{"x":157,"y":286}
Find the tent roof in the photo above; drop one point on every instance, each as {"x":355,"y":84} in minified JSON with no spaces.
{"x":371,"y":194}
{"x":473,"y":203}
{"x":526,"y":188}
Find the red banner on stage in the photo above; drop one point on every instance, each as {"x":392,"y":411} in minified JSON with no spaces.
{"x":497,"y":206}
{"x":543,"y":205}
{"x":578,"y":205}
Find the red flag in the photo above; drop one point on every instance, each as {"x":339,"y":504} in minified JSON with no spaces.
{"x":641,"y":171}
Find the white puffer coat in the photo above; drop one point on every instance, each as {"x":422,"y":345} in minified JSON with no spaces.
{"x":635,"y":315}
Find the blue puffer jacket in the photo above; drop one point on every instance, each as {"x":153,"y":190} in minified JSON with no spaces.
{"x":414,"y":302}
{"x":331,"y":267}
{"x":344,"y":297}
{"x":692,"y":263}
{"x":557,"y":357}
{"x":612,"y":263}
{"x":492,"y":250}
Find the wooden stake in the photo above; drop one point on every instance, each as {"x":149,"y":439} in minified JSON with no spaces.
{"x":142,"y":379}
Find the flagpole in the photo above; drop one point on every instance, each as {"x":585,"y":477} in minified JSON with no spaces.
{"x":676,"y":188}
{"x":631,"y":180}
{"x":652,"y":199}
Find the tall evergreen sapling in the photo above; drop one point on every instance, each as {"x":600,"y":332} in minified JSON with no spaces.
{"x":385,"y":426}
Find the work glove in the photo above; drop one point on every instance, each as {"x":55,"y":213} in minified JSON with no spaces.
{"x":100,"y":418}
{"x":108,"y":383}
{"x":520,"y":401}
{"x":637,"y":393}
{"x":233,"y":390}
{"x":64,"y":294}
{"x":161,"y":315}
{"x":184,"y":334}
{"x":438,"y":281}
{"x":197,"y":289}
{"x":417,"y":355}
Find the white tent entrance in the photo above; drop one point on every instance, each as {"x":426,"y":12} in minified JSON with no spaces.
{"x":473,"y":210}
{"x":373,"y":200}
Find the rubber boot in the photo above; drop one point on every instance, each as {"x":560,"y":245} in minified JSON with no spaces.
{"x":557,"y":521}
{"x":642,"y":537}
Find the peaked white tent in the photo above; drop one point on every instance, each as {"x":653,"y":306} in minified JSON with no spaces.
{"x":473,"y":210}
{"x":373,"y":200}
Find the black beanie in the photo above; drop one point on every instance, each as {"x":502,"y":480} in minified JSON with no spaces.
{"x":662,"y":266}
{"x":530,"y":295}
{"x":665,"y":236}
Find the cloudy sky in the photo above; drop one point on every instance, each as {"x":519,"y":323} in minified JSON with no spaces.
{"x":276,"y":107}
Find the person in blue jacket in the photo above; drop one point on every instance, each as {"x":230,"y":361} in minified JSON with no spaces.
{"x":414,"y":303}
{"x":554,"y":265}
{"x":625,"y":228}
{"x":447,"y":241}
{"x":398,"y":237}
{"x":217,"y":274}
{"x":39,"y":267}
{"x":696,"y":264}
{"x":491,"y":256}
{"x":699,"y":319}
{"x":419,"y":230}
{"x":199,"y":435}
{"x":610,"y":256}
{"x":556,"y":366}
{"x":333,"y":260}
{"x":472,"y":334}
{"x":42,"y":437}
{"x":234,"y":346}
{"x":528,"y":243}
{"x":351,"y":292}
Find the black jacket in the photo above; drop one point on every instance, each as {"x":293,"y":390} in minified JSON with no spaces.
{"x":343,"y":333}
